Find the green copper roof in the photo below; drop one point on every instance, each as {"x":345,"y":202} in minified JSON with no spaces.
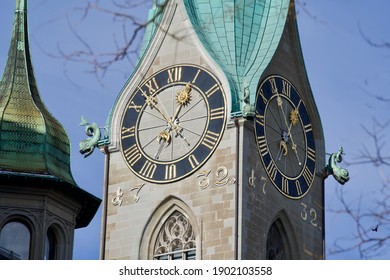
{"x":31,"y":139}
{"x":34,"y":147}
{"x":241,"y":36}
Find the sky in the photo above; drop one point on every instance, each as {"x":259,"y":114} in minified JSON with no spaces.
{"x":344,"y":71}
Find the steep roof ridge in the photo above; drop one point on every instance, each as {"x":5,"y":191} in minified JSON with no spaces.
{"x":30,"y":76}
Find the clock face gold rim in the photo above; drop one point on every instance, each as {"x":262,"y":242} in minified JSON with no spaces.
{"x":173,"y":123}
{"x":284,"y":137}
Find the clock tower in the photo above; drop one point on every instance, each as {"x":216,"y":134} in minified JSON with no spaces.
{"x":215,"y":148}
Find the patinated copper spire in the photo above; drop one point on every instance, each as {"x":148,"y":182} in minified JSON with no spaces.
{"x":31,"y":139}
{"x":33,"y":144}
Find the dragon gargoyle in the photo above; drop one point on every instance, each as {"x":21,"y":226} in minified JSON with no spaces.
{"x":92,"y":130}
{"x":340,"y":174}
{"x":248,"y":110}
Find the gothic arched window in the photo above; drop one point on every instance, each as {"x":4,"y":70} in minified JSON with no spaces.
{"x":276,"y":243}
{"x":15,"y":239}
{"x":176,"y":239}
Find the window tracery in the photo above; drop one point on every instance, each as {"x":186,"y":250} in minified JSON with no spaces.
{"x":276,"y":249}
{"x":176,"y":239}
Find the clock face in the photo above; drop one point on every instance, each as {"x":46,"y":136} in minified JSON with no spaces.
{"x":173,"y":123}
{"x":284,"y":137}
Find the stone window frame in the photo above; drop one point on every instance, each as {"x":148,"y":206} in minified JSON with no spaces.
{"x":37,"y":227}
{"x":176,"y":239}
{"x":56,"y":233}
{"x":156,"y":222}
{"x":287,"y":239}
{"x":25,"y":222}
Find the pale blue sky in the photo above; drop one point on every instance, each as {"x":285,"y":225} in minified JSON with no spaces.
{"x":341,"y":67}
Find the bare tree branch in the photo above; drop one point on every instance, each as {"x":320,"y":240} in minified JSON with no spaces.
{"x":375,"y":155}
{"x":371,"y":218}
{"x":383,"y":44}
{"x":100,"y":62}
{"x":126,"y":39}
{"x":371,"y":237}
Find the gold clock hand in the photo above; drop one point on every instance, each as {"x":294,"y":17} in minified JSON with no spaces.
{"x":294,"y":118}
{"x":157,"y":155}
{"x":280,"y":105}
{"x":182,"y":137}
{"x":294,"y":146}
{"x":152,"y":103}
{"x":178,"y":131}
{"x":163,"y":138}
{"x":283,"y":149}
{"x":183,"y":98}
{"x":162,"y":114}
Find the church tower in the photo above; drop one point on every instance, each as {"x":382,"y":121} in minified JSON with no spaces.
{"x":40,"y":203}
{"x":215,"y":147}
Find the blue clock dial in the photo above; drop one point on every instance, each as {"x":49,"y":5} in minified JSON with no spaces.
{"x":173,"y":123}
{"x":284,"y":137}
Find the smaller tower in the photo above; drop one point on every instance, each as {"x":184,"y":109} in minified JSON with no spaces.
{"x":40,"y":203}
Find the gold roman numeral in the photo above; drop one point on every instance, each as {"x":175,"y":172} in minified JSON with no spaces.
{"x":217,"y":113}
{"x":265,"y":100}
{"x":174,"y":74}
{"x":212,"y":90}
{"x":210,"y":139}
{"x":286,"y":88}
{"x":196,"y":76}
{"x":137,"y":108}
{"x":308,"y":176}
{"x":311,"y":154}
{"x":272,"y":170}
{"x":128,"y":132}
{"x":285,"y":185}
{"x":262,"y":145}
{"x":148,"y":169}
{"x":193,"y":161}
{"x":273,"y":85}
{"x":170,"y":172}
{"x":132,"y":154}
{"x":308,"y":128}
{"x":298,"y":186}
{"x":152,"y":85}
{"x":299,"y":103}
{"x":260,"y":119}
